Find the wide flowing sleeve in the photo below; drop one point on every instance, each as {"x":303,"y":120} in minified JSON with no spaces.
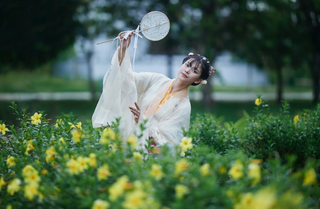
{"x":169,"y":129}
{"x":144,"y":80}
{"x":119,"y":92}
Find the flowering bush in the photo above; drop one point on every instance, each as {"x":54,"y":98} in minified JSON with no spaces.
{"x":72,"y":165}
{"x":281,"y":135}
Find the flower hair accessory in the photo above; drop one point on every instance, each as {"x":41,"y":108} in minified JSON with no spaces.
{"x":204,"y":82}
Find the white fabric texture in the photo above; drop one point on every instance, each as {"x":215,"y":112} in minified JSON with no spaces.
{"x":122,"y":87}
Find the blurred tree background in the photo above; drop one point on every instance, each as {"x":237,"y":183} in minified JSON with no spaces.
{"x":282,"y":37}
{"x":35,"y":31}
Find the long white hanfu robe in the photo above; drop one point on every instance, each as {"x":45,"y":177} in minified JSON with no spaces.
{"x":122,"y":87}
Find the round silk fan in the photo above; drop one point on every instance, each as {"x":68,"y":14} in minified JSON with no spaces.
{"x":154,"y":26}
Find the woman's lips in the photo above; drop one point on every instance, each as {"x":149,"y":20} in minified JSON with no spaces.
{"x":184,"y":75}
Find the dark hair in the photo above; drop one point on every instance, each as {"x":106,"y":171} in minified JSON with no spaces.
{"x":199,"y":60}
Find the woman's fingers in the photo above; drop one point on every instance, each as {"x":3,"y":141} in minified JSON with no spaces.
{"x":134,"y":111}
{"x":137,"y":106}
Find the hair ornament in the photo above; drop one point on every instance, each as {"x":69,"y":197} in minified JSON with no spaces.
{"x":211,"y":70}
{"x":204,"y":82}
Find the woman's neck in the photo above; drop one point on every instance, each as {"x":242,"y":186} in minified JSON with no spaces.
{"x":178,"y":86}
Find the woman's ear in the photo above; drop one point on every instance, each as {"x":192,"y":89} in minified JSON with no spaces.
{"x":198,"y":81}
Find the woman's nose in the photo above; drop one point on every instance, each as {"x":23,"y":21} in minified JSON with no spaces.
{"x":187,"y":70}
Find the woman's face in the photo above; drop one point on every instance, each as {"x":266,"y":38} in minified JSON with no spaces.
{"x":190,"y":73}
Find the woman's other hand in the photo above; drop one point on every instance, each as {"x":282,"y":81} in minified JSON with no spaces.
{"x":135,"y":112}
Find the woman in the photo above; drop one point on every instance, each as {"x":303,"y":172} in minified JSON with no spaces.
{"x":137,"y":97}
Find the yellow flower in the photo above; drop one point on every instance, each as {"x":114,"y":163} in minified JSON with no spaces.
{"x":31,"y":190}
{"x":92,"y":160}
{"x":14,"y":186}
{"x":50,"y":153}
{"x":2,"y":183}
{"x":71,"y":125}
{"x":181,"y":190}
{"x":9,"y":207}
{"x":76,"y":135}
{"x":134,"y":200}
{"x":79,"y":125}
{"x":3,"y":129}
{"x":310,"y":177}
{"x":62,"y":140}
{"x":205,"y":169}
{"x":181,"y":166}
{"x":137,"y":155}
{"x":264,"y":199}
{"x":32,"y":177}
{"x":236,"y":170}
{"x":182,"y":154}
{"x":156,"y":172}
{"x":30,"y":147}
{"x":107,"y":135}
{"x":35,"y":119}
{"x":103,"y":172}
{"x":58,"y":122}
{"x":132,"y":141}
{"x":254,"y":172}
{"x":118,"y":187}
{"x":44,"y":172}
{"x":246,"y":201}
{"x":73,"y":166}
{"x":296,"y":118}
{"x":186,"y":144}
{"x":222,"y":170}
{"x":100,"y":204}
{"x":292,"y":200}
{"x":82,"y":163}
{"x":258,"y":101}
{"x":229,"y":193}
{"x":10,"y":161}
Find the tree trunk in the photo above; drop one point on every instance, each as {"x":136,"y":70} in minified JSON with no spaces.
{"x":279,"y":81}
{"x":206,"y":92}
{"x":316,"y":78}
{"x":169,"y":65}
{"x":249,"y":77}
{"x":89,"y":54}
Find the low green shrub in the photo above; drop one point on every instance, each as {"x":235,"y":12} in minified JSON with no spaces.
{"x":269,"y":136}
{"x":207,"y":131}
{"x":72,"y":165}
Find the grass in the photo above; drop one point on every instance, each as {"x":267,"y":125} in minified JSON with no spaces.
{"x":40,"y":82}
{"x":43,"y":82}
{"x":83,"y":110}
{"x":255,"y":89}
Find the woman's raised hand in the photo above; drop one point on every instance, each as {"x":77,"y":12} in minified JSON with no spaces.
{"x":124,"y":44}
